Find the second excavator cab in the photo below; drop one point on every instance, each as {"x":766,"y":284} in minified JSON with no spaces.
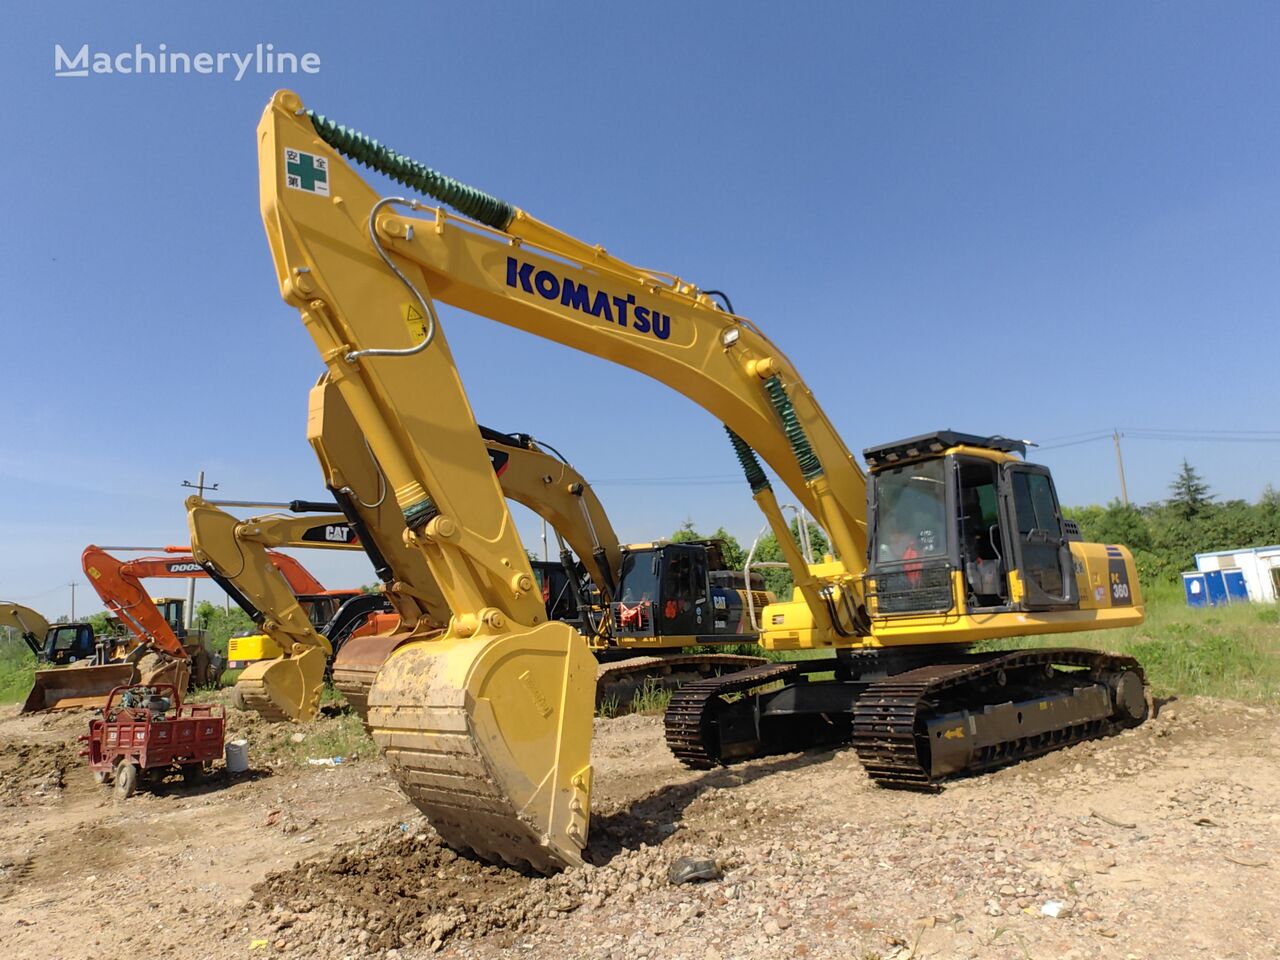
{"x":683,"y":590}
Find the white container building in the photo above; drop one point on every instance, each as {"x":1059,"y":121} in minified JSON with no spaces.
{"x":1260,"y":566}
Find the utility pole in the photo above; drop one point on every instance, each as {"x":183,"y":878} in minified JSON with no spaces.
{"x":73,"y":585}
{"x":1124,"y":492}
{"x":200,"y":488}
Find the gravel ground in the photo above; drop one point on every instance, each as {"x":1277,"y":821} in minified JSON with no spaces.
{"x":1163,"y":842}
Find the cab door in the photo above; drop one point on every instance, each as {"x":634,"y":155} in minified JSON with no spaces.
{"x":684,"y":608}
{"x":1041,"y":554}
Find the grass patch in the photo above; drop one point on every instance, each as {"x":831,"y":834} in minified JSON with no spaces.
{"x":17,"y":671}
{"x":1231,"y":652}
{"x":650,"y":697}
{"x":341,"y":736}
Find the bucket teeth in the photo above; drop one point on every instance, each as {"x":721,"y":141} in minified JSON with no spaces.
{"x":255,"y":697}
{"x":286,"y":688}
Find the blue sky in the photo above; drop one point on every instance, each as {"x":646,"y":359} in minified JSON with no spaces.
{"x":1041,"y":220}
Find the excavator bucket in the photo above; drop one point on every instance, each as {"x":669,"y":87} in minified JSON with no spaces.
{"x":491,"y":738}
{"x":66,"y":688}
{"x":357,"y":663}
{"x":286,"y":688}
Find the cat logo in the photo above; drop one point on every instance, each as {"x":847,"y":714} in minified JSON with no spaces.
{"x":331,"y":533}
{"x":955,"y":733}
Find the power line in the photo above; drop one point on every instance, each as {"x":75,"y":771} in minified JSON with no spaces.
{"x":1206,"y":430}
{"x":1076,"y":443}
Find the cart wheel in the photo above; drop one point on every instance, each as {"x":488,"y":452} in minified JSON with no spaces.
{"x":192,"y":774}
{"x":126,"y":780}
{"x":101,"y":776}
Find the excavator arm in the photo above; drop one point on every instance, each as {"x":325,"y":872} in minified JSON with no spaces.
{"x":238,"y":555}
{"x":118,"y":583}
{"x":489,"y":724}
{"x":31,"y":626}
{"x":379,"y":268}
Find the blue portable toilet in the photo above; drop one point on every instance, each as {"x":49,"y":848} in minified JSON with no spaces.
{"x":1197,"y":593}
{"x":1237,"y":589}
{"x":1216,"y":586}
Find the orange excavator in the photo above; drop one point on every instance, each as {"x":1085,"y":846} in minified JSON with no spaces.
{"x":158,"y":625}
{"x":159,"y":650}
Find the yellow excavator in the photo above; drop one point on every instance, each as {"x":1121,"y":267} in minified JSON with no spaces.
{"x":66,"y":650}
{"x":487,"y":726}
{"x":237,"y":554}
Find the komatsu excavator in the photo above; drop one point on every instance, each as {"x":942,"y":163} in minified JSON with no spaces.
{"x":488,"y":726}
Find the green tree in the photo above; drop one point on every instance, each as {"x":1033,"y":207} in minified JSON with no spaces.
{"x":101,"y":623}
{"x":734,"y":555}
{"x":778,"y":579}
{"x":220,"y":625}
{"x":1189,"y":493}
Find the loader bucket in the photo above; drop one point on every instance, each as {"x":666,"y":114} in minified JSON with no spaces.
{"x":491,"y":739}
{"x":65,"y":688}
{"x":286,"y":688}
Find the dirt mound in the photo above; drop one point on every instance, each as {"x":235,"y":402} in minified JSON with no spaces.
{"x":390,"y":891}
{"x":409,"y":889}
{"x":32,"y":773}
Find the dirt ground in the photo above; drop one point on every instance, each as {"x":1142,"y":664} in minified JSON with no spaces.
{"x":1161,"y":843}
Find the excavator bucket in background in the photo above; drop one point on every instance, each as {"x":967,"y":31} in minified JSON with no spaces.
{"x":491,"y":738}
{"x":66,"y":688}
{"x":358,"y":663}
{"x":286,"y":688}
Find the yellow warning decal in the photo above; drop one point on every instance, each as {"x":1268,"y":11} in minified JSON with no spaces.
{"x":415,"y":321}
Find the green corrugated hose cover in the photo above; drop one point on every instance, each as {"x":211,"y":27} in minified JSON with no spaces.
{"x":810,"y":465}
{"x":750,"y":465}
{"x":469,"y":201}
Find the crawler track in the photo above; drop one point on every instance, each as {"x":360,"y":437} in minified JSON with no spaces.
{"x":690,"y":719}
{"x":919,"y":726}
{"x":910,"y":729}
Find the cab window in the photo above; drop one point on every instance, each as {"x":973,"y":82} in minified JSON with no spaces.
{"x":64,"y":639}
{"x":911,"y":512}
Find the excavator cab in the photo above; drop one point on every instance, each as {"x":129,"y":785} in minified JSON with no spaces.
{"x":961,"y":524}
{"x":682,"y":592}
{"x":69,"y":643}
{"x":173,"y":609}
